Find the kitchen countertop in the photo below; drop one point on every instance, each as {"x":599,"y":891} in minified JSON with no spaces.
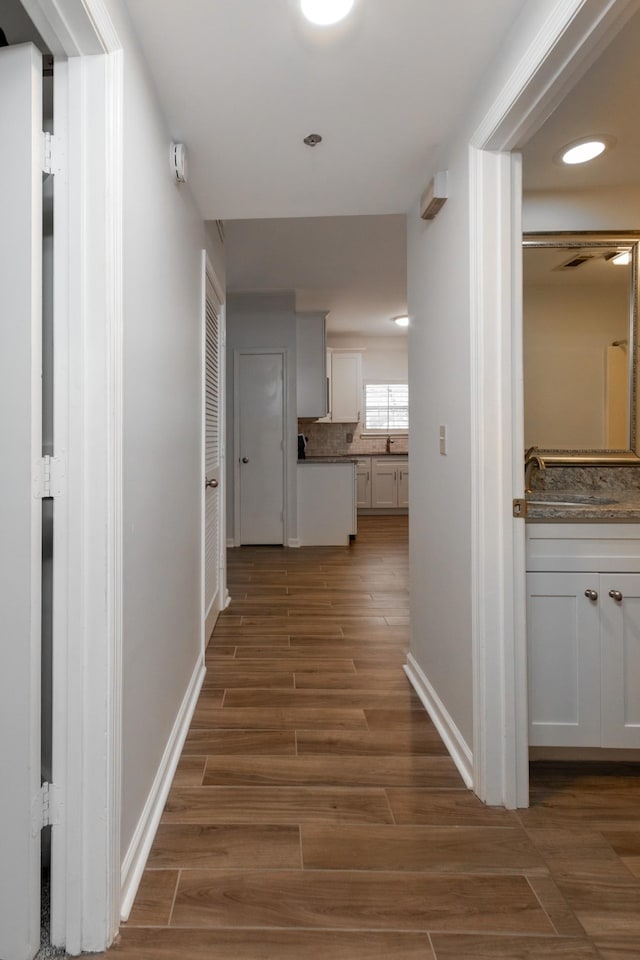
{"x":605,"y":506}
{"x":328,"y":460}
{"x":350,"y":457}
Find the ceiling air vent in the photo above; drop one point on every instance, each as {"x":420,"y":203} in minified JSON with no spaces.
{"x":576,"y":261}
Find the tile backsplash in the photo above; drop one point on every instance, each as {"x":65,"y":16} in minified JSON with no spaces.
{"x":330,"y":440}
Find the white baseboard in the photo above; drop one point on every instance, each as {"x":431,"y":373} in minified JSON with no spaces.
{"x":230,"y":542}
{"x":455,"y":743}
{"x":136,"y":856}
{"x":211,"y":617}
{"x":293,"y":542}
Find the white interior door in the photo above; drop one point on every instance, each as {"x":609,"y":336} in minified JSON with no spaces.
{"x":20,"y":504}
{"x":214,"y":540}
{"x":260,"y":446}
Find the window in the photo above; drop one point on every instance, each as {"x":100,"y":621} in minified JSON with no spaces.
{"x":386,"y":407}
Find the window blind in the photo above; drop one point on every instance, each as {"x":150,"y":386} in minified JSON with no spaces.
{"x":386,"y":406}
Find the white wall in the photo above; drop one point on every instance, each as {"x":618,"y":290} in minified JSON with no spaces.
{"x":163,"y":239}
{"x":439,"y":376}
{"x":440,"y":493}
{"x":612,"y":208}
{"x":384,"y":358}
{"x":263,"y":321}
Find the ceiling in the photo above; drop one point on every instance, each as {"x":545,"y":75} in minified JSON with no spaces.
{"x":17,"y":26}
{"x":242,"y":82}
{"x":605,"y":101}
{"x":355,"y":267}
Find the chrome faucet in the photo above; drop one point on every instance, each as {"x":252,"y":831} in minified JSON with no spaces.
{"x":388,"y":446}
{"x":532,"y":459}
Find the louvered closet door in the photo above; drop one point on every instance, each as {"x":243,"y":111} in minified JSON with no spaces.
{"x":213,"y":538}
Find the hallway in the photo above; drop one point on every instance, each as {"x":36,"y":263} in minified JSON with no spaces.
{"x":315,"y":812}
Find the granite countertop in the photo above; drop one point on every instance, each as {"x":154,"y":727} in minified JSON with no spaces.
{"x":328,"y":460}
{"x":604,"y":506}
{"x":350,"y":457}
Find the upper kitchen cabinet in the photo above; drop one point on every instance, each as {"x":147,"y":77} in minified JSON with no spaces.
{"x":346,"y":386}
{"x":311,"y":350}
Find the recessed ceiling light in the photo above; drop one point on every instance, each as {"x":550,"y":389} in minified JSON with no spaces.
{"x":581,"y":151}
{"x":401,"y":321}
{"x":325,"y":12}
{"x":623,"y":259}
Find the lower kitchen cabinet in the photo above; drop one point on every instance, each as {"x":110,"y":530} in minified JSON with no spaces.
{"x":326,"y":503}
{"x":363,"y":482}
{"x":390,"y":482}
{"x":583,"y":639}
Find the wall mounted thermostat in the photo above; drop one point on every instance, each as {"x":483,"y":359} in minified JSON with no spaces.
{"x":178,"y":156}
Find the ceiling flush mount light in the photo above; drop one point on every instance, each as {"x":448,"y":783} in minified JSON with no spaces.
{"x":581,"y":151}
{"x":401,"y":321}
{"x":325,"y":12}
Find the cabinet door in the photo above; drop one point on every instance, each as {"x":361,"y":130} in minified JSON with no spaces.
{"x":327,"y":419}
{"x":563,"y":659}
{"x":385,"y":483}
{"x":346,"y":386}
{"x":363,"y":482}
{"x":620,"y":636}
{"x":311,"y":354}
{"x":403,"y":485}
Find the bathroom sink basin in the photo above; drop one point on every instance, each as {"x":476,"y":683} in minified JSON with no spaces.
{"x":570,"y":499}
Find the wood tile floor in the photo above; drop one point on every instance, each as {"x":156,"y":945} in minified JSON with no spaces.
{"x":316,"y":815}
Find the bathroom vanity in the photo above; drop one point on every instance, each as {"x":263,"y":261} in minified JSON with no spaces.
{"x":583,"y":622}
{"x":583,"y":515}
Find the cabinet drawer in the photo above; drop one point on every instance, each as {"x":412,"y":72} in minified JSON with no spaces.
{"x":583,"y":547}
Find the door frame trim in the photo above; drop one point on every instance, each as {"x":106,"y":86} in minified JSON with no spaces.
{"x":208,"y":273}
{"x":571,"y":40}
{"x":283,"y":352}
{"x":87,"y":677}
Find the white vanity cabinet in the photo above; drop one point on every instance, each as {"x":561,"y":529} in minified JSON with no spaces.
{"x":583,"y":634}
{"x":363,"y":482}
{"x":390,"y":483}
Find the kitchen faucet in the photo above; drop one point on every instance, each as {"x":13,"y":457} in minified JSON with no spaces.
{"x":532,"y":459}
{"x":389,"y":442}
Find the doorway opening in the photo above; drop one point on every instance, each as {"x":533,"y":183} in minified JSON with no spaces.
{"x":328,"y":293}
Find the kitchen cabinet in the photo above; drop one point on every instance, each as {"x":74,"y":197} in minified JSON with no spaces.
{"x":327,"y":418}
{"x":583,"y":626}
{"x":346,"y":386}
{"x":363,"y":482}
{"x":390,"y":482}
{"x":403,"y":484}
{"x":311,"y":371}
{"x":326,"y":503}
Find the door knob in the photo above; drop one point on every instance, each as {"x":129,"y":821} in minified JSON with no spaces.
{"x":211,"y":483}
{"x":591,"y":594}
{"x":245,"y":459}
{"x":615,"y":595}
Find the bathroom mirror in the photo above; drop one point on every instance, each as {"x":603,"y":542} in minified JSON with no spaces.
{"x":580,"y":315}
